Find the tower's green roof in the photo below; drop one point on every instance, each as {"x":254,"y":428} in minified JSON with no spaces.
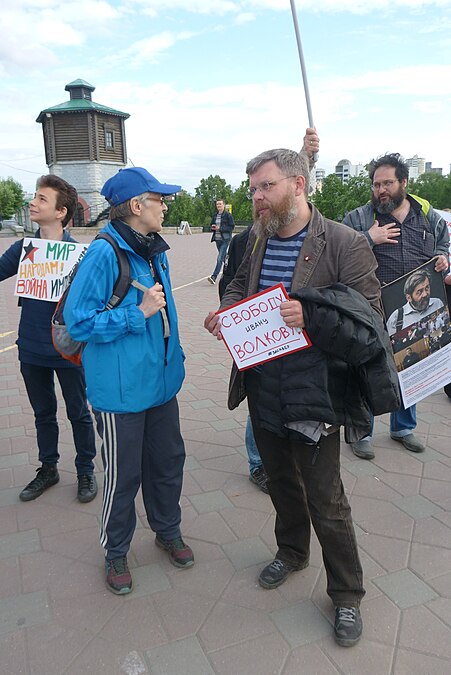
{"x":79,"y":83}
{"x":81,"y":105}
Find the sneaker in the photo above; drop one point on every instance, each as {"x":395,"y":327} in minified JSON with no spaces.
{"x":363,"y":449}
{"x":212,"y":280}
{"x":348,"y":626}
{"x":277,"y":572}
{"x":46,"y":476}
{"x":118,"y":577}
{"x":410,"y":442}
{"x":180,"y":554}
{"x":87,"y":488}
{"x":260,"y":479}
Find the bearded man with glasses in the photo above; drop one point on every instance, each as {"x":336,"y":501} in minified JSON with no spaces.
{"x":298,"y":402}
{"x":403,"y":232}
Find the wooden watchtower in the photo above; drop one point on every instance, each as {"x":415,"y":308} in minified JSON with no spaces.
{"x":84,"y":144}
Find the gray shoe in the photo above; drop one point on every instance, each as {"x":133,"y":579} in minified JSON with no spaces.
{"x":363,"y":449}
{"x":410,"y":442}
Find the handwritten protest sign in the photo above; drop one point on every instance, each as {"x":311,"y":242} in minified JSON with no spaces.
{"x":254,"y":331}
{"x":45,"y":266}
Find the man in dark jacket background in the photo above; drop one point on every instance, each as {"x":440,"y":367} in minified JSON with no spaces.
{"x":222,"y":225}
{"x":296,"y":402}
{"x":52,"y":207}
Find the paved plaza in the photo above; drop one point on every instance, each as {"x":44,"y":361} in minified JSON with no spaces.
{"x":57,"y":617}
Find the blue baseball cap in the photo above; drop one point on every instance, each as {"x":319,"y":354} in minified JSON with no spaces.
{"x":128,"y":183}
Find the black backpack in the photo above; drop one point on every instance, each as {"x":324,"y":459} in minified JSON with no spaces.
{"x":70,"y":349}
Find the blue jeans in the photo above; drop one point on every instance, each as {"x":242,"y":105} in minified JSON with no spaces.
{"x":402,"y":422}
{"x":222,"y":245}
{"x":253,"y":454}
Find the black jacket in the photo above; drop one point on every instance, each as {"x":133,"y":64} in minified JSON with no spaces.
{"x":227,"y":225}
{"x":233,"y":260}
{"x":346,"y":376}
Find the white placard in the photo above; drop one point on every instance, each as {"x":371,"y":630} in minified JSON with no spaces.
{"x":254,"y":331}
{"x":45,"y":266}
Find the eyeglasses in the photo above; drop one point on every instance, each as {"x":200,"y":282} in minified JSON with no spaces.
{"x":266,"y":186}
{"x":385,"y":184}
{"x":160,"y":199}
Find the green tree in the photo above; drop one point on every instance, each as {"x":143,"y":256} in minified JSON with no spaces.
{"x":337,"y":198}
{"x":182,"y":208}
{"x":433,"y":187}
{"x":207,"y":192}
{"x":241,"y":204}
{"x":11,"y":197}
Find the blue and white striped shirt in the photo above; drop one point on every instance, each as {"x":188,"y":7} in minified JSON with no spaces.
{"x":280,"y":258}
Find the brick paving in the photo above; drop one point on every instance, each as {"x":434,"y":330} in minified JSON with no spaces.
{"x":56,"y":615}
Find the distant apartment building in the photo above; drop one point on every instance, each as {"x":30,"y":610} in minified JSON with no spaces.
{"x":345,"y":170}
{"x":431,"y":169}
{"x":417,"y":166}
{"x":317,"y":178}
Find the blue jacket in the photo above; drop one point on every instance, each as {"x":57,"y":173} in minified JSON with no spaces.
{"x":129,"y":366}
{"x":35,"y":334}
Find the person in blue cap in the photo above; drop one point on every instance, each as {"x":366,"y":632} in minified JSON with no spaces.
{"x":134,"y":367}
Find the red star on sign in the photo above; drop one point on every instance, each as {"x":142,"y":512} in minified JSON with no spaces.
{"x":29,"y":252}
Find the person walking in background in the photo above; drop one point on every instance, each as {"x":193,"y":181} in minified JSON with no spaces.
{"x":222,"y":225}
{"x":134,"y":369}
{"x":52,"y":208}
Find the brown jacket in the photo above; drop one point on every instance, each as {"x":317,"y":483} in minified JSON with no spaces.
{"x":331,"y":253}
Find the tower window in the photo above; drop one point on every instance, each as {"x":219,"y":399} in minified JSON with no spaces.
{"x":109,"y":139}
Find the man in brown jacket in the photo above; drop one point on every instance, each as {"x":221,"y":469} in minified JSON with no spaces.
{"x":292,"y":243}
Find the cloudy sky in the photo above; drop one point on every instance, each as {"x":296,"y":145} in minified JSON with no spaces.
{"x":211,"y":83}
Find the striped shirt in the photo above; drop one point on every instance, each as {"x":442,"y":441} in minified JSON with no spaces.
{"x":280,"y":258}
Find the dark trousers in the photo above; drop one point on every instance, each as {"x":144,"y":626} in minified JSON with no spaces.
{"x":140,"y":449}
{"x":222,"y":245}
{"x":40,"y":385}
{"x":305,"y":487}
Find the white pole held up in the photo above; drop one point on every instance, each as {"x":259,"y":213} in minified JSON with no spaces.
{"x":303,"y":69}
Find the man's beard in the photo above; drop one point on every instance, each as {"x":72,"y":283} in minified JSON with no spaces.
{"x":420,"y":305}
{"x":279,"y":217}
{"x":391,"y":204}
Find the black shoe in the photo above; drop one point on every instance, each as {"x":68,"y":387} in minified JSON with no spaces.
{"x":260,"y":479}
{"x":212,"y":280}
{"x":46,"y":476}
{"x":87,"y":488}
{"x":277,"y":572}
{"x":348,"y":626}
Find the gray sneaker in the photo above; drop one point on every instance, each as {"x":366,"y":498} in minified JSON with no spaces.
{"x":410,"y":442}
{"x":363,"y":449}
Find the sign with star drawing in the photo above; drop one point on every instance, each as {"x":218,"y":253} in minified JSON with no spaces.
{"x":45,"y":266}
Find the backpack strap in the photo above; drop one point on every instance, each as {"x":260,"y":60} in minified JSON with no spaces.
{"x":400,"y":319}
{"x":123,"y":280}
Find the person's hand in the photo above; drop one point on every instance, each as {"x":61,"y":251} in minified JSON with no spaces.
{"x":384,"y":234}
{"x":311,"y":142}
{"x":153,"y":300}
{"x":292,"y":314}
{"x":213,"y":324}
{"x":441,"y":263}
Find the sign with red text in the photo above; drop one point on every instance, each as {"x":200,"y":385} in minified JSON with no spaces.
{"x":254,"y":331}
{"x":45,"y":266}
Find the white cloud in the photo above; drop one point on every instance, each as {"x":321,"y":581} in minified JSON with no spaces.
{"x":244,"y":17}
{"x":146,"y":51}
